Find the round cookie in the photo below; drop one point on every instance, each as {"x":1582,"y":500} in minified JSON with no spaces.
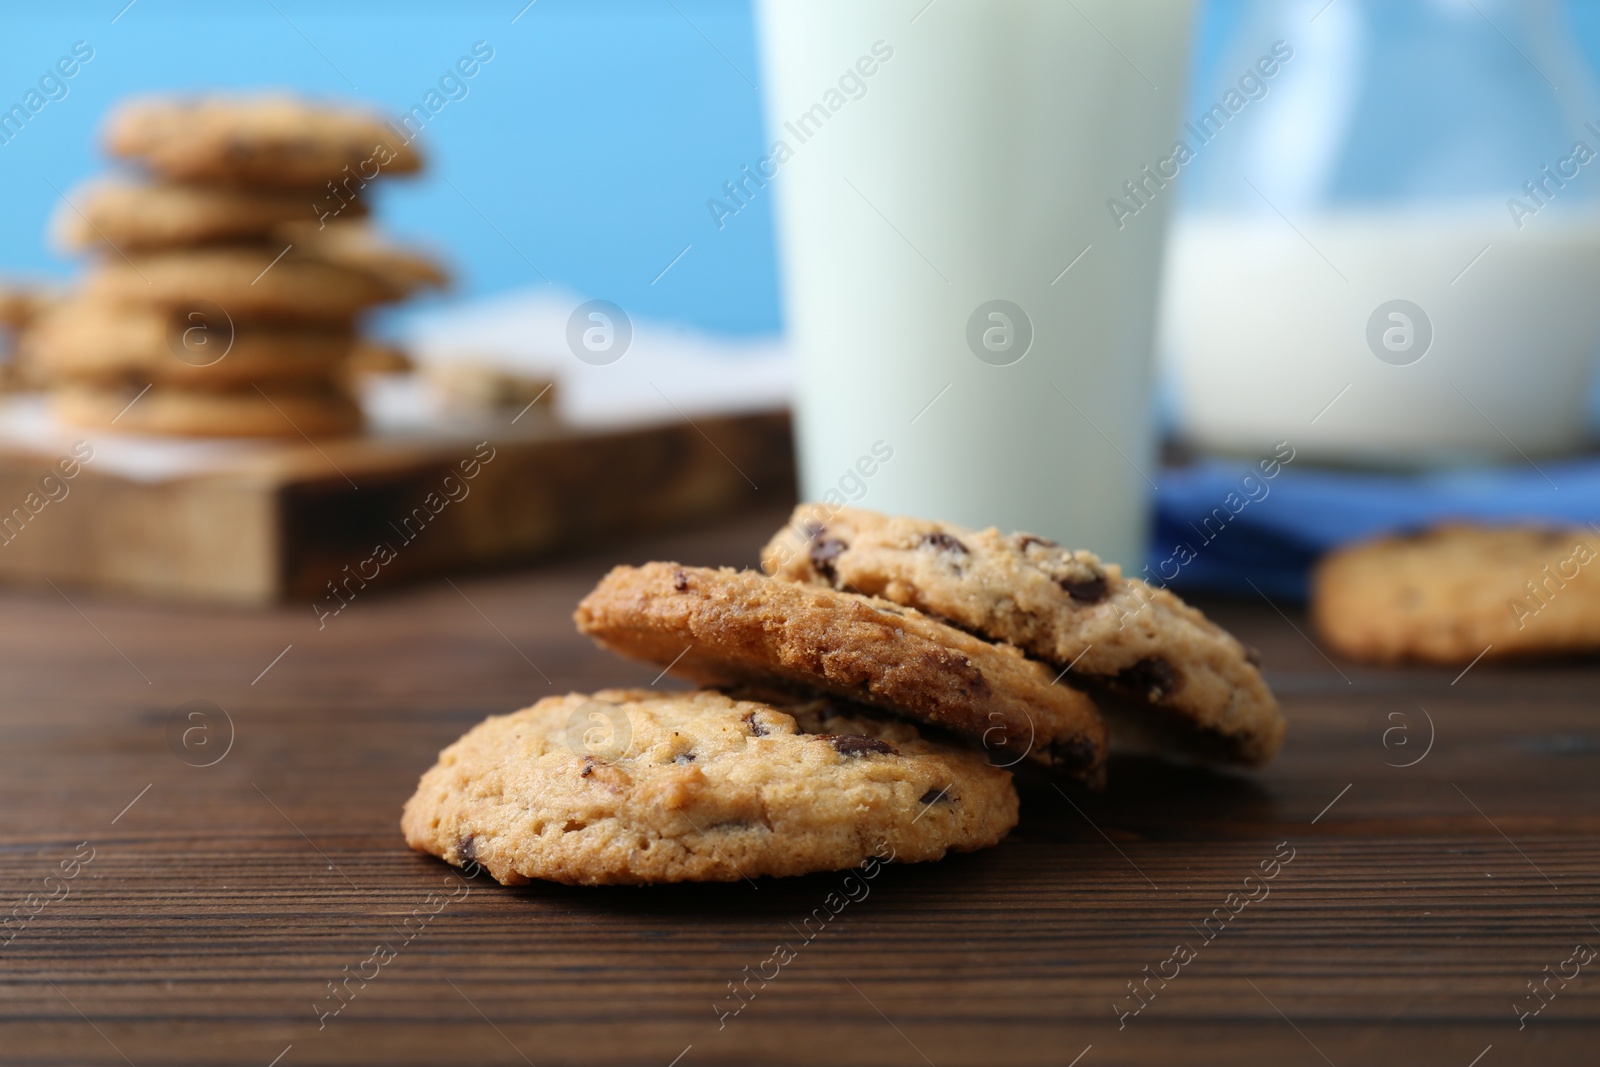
{"x":21,"y":302}
{"x":185,"y":413}
{"x":730,"y":628}
{"x":639,"y":786}
{"x":244,"y":281}
{"x":1176,"y":679}
{"x":1458,"y":591}
{"x":90,"y":341}
{"x":265,"y":141}
{"x":360,"y":247}
{"x":134,"y":216}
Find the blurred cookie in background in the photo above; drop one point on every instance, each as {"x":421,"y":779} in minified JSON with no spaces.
{"x":468,"y":385}
{"x":87,"y":340}
{"x":21,"y":305}
{"x":301,"y":413}
{"x":127,"y":215}
{"x":245,"y":281}
{"x":371,"y":359}
{"x":406,"y":270}
{"x":274,"y":141}
{"x":1459,"y":591}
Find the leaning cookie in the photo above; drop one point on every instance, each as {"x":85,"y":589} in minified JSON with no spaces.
{"x":1460,"y":591}
{"x":245,"y":282}
{"x":1177,"y":680}
{"x":188,"y":413}
{"x":96,"y":342}
{"x":638,"y":786}
{"x":727,"y":627}
{"x":264,"y":141}
{"x":124,"y":216}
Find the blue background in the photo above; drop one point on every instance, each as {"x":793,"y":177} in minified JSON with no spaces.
{"x":590,"y":143}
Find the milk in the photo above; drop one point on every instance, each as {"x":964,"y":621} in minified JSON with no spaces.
{"x":973,"y":330}
{"x":1265,"y":333}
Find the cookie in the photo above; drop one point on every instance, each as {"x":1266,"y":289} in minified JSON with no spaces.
{"x":1175,"y":679}
{"x":640,"y":786}
{"x":466,"y":385}
{"x":133,"y":216}
{"x":186,"y":413}
{"x":728,"y":628}
{"x":265,"y":141}
{"x":370,"y":360}
{"x":22,"y":302}
{"x":88,"y":341}
{"x":1458,"y":591}
{"x":360,"y":247}
{"x":246,"y":282}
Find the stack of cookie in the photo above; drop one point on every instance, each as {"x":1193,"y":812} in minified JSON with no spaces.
{"x":229,"y":275}
{"x":863,"y":699}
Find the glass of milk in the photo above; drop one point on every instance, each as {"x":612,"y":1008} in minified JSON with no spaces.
{"x":973,"y":322}
{"x":1387,"y":252}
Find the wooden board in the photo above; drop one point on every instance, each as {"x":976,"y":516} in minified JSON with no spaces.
{"x":1420,"y":902}
{"x":307,"y":522}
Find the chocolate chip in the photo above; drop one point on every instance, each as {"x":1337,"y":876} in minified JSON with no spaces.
{"x":1025,"y":540}
{"x":1252,"y":655}
{"x":467,"y":849}
{"x":935,"y":795}
{"x":588,"y":767}
{"x":1086,"y":590}
{"x":755,"y":727}
{"x":1073,"y":753}
{"x":857,"y":744}
{"x":680,"y":581}
{"x":943,"y":542}
{"x":1152,"y":678}
{"x":823,"y":552}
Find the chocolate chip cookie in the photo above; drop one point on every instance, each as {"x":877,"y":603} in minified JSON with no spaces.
{"x":729,"y":628}
{"x":193,"y":413}
{"x":639,"y":786}
{"x":130,"y":216}
{"x":1458,"y":591}
{"x":1174,"y":678}
{"x":91,"y":341}
{"x":264,"y":141}
{"x":404,"y":269}
{"x":245,"y":281}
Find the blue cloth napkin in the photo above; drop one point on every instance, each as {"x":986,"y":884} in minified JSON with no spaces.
{"x":1221,"y":525}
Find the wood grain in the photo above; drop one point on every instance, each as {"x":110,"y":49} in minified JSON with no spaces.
{"x":219,"y":904}
{"x":287,"y":522}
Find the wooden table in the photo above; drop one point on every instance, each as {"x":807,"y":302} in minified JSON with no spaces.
{"x":220,"y":900}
